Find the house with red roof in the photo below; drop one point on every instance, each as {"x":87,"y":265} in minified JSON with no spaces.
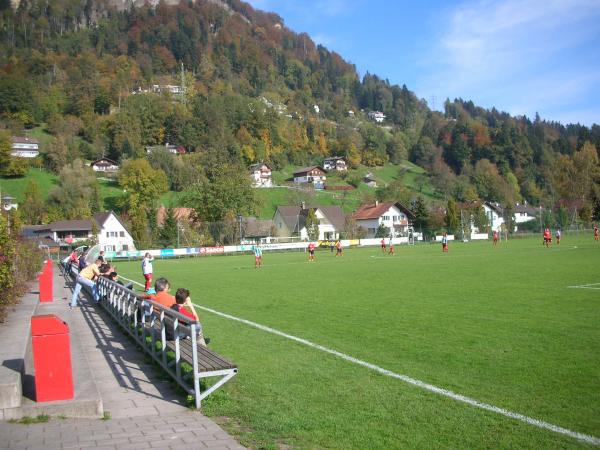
{"x":393,"y":215}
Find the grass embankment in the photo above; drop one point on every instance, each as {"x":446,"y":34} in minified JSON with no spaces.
{"x":496,"y":324}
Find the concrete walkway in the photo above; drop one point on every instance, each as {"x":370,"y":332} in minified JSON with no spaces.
{"x":145,"y":410}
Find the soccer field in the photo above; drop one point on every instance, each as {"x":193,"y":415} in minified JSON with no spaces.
{"x":503,"y":326}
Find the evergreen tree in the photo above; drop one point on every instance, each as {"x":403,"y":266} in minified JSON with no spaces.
{"x":419,"y":210}
{"x":167,"y":235}
{"x":312,"y":225}
{"x":452,"y":221}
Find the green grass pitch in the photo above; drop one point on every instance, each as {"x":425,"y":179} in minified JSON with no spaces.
{"x":499,"y":325}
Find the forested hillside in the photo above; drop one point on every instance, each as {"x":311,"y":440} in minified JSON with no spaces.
{"x":254,"y":90}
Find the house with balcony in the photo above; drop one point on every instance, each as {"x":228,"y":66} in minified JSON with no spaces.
{"x":392,"y":215}
{"x":376,"y":116}
{"x":104,"y":165}
{"x":290,"y":221}
{"x":314,"y":175}
{"x":261,"y":175}
{"x":24,"y":147}
{"x":338,"y":163}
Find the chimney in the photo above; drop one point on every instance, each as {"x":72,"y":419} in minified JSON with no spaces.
{"x":303,"y":205}
{"x":376,"y":202}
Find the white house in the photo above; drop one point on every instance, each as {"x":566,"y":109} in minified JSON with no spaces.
{"x":104,"y":165}
{"x":261,"y":175}
{"x":24,"y":147}
{"x":174,"y":149}
{"x":335,"y":163}
{"x":525,"y":213}
{"x":170,"y":88}
{"x":495,"y":215}
{"x":392,"y":215}
{"x":376,"y":116}
{"x":111,"y":233}
{"x":312,"y":174}
{"x":291,"y":221}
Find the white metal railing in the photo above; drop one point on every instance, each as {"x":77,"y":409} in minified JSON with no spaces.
{"x":163,"y":334}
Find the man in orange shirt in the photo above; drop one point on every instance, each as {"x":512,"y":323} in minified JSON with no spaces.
{"x":162,"y":295}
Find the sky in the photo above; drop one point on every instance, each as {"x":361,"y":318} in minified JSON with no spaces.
{"x":520,"y":56}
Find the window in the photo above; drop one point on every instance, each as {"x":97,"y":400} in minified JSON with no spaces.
{"x":125,"y":247}
{"x":121,"y":233}
{"x":109,"y":248}
{"x":386,"y":218}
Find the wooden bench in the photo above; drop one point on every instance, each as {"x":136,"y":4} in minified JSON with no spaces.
{"x":150,"y":325}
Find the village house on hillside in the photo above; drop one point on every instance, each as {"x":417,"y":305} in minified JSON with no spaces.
{"x":314,"y":175}
{"x":392,"y":215}
{"x":24,"y":147}
{"x":338,"y":163}
{"x":376,"y":116}
{"x":261,"y":175}
{"x":104,"y":165}
{"x":111,"y":233}
{"x":174,"y":149}
{"x":291,"y":221}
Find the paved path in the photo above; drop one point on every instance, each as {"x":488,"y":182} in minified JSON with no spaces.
{"x":145,"y":410}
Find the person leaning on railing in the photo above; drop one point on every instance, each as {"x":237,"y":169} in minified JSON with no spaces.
{"x":185,"y":307}
{"x":86,"y":277}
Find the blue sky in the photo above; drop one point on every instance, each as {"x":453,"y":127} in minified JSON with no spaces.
{"x":521,"y":56}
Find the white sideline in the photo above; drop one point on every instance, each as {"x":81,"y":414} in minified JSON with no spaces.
{"x":586,"y":286}
{"x":421,"y":384}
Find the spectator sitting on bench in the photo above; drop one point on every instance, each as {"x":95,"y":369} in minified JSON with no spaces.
{"x":185,"y":307}
{"x":162,"y":295}
{"x":113,"y":276}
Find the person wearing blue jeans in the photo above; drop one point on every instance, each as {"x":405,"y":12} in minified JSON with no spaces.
{"x":86,"y":278}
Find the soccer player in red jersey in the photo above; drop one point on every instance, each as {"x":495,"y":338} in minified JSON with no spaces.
{"x":383,"y":245}
{"x":495,"y":237}
{"x":311,"y":251}
{"x":547,"y":237}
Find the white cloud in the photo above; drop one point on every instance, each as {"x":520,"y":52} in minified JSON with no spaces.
{"x":523,"y":56}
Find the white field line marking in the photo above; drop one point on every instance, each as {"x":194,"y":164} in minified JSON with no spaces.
{"x":429,"y":387}
{"x":133,"y":281}
{"x":586,"y":286}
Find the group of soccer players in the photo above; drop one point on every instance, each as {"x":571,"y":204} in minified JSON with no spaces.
{"x":389,"y":249}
